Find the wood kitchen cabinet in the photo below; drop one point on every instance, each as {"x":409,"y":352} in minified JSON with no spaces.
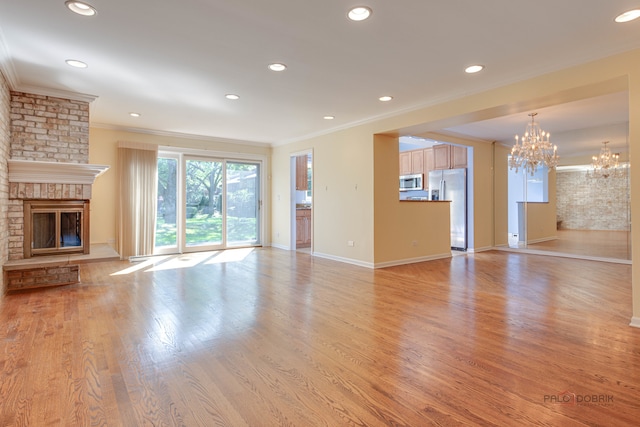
{"x":417,"y":161}
{"x":301,"y":173}
{"x":449,"y":156}
{"x":429,"y":165}
{"x":441,"y":157}
{"x":411,"y":162}
{"x":405,"y":163}
{"x":458,"y":157}
{"x":303,"y":228}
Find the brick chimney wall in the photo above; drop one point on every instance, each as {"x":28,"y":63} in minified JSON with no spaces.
{"x":48,"y":129}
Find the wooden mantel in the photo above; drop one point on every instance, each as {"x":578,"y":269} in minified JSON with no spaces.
{"x":54,"y":172}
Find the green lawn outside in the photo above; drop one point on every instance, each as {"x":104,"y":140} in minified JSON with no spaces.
{"x":207,"y":229}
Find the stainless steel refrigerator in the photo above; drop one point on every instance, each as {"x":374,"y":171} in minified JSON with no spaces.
{"x":451,"y":184}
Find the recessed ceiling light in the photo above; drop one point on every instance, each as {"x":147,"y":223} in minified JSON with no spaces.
{"x":276,"y":66}
{"x":474,"y":69}
{"x":629,"y":15}
{"x":80,"y":8}
{"x":385,"y":98}
{"x":232,"y":96}
{"x":134,"y":114}
{"x":329,"y":117}
{"x":359,"y":13}
{"x":75,"y":63}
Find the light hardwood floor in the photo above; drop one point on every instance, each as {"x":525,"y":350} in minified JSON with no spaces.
{"x":267,"y":337}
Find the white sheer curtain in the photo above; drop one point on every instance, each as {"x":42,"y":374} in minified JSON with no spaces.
{"x":138,"y":187}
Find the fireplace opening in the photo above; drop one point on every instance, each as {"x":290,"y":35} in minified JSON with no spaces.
{"x":56,"y":227}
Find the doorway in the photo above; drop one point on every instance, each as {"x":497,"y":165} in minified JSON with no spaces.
{"x":302,"y":201}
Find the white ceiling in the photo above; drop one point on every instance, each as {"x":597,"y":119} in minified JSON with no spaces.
{"x":173,"y":61}
{"x":577,"y":128}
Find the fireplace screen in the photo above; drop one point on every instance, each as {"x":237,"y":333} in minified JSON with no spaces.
{"x":56,"y":227}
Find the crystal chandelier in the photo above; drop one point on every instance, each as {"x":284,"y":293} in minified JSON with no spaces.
{"x":604,"y":165}
{"x":533,"y":149}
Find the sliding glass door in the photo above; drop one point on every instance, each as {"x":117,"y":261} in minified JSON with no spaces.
{"x":167,"y":214}
{"x":204,"y":219}
{"x":206,"y":204}
{"x":242,"y":211}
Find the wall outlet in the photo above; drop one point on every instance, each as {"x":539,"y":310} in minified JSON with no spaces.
{"x":350,"y":243}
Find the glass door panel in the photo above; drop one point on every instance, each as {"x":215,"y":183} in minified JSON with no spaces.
{"x":70,"y":229}
{"x":242,"y":207}
{"x":204,"y":220}
{"x":167,"y":205}
{"x":44,"y":230}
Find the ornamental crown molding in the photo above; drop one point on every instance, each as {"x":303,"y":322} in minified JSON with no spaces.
{"x":54,"y":172}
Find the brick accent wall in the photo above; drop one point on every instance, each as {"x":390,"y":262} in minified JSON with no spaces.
{"x":5,"y":142}
{"x":592,"y":203}
{"x":52,"y":129}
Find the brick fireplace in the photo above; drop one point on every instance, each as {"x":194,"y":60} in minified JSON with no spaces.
{"x":53,"y":188}
{"x":50,"y":180}
{"x":49,"y":157}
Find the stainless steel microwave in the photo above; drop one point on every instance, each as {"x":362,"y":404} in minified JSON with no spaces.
{"x":411,"y":182}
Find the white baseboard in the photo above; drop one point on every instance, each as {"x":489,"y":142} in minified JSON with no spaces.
{"x":412,"y":260}
{"x":482,"y":249}
{"x":382,"y":264}
{"x":635,"y":322}
{"x":279,"y":246}
{"x":345,"y":260}
{"x":543,"y":239}
{"x":526,"y":251}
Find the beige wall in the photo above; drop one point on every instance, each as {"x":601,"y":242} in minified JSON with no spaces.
{"x":541,"y":222}
{"x":342,"y":194}
{"x":103,"y":150}
{"x":500,"y":195}
{"x":408,"y":231}
{"x":541,"y":218}
{"x":347,"y":220}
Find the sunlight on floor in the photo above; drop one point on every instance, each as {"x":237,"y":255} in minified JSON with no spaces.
{"x":232,"y":255}
{"x":172,"y":262}
{"x":140,"y":266}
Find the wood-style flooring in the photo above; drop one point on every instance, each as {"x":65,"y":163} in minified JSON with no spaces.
{"x":267,"y":337}
{"x":591,"y":243}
